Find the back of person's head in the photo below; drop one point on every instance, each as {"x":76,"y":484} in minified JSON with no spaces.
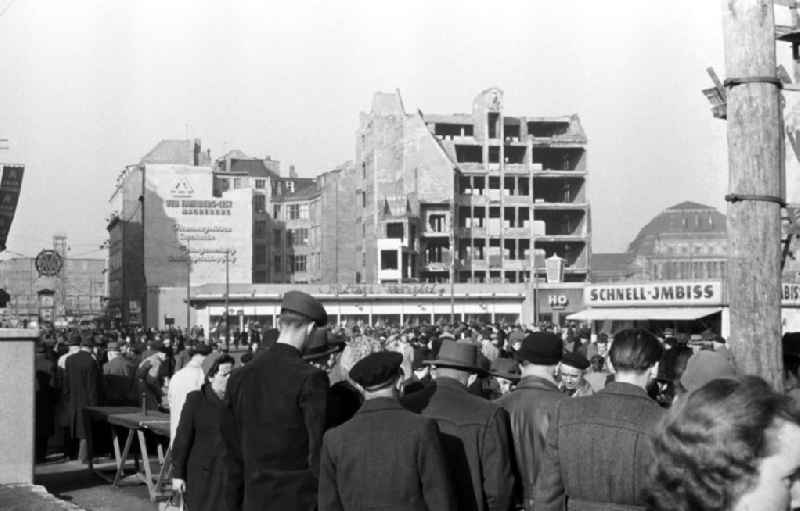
{"x":289,"y":319}
{"x":673,"y":363}
{"x":709,"y":447}
{"x":634,"y":350}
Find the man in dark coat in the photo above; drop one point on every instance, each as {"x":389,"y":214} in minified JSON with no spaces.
{"x":475,"y":432}
{"x":45,"y":399}
{"x":277,"y":406}
{"x":530,"y":403}
{"x":81,"y":389}
{"x":385,"y":457}
{"x":597,"y":451}
{"x":119,"y":381}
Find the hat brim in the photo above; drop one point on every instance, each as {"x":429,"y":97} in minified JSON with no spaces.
{"x":322,"y":354}
{"x":455,"y":365}
{"x":508,"y":376}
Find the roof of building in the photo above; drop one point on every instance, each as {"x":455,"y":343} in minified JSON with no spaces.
{"x":174,"y":151}
{"x":252,"y":167}
{"x":305,"y":189}
{"x":235,"y":154}
{"x":685,"y":218}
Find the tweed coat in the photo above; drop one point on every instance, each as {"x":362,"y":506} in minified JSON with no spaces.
{"x":81,"y":389}
{"x":197,"y":451}
{"x":385,"y":457}
{"x":273,"y":432}
{"x":598,"y":452}
{"x":529,"y":406}
{"x":476,"y":436}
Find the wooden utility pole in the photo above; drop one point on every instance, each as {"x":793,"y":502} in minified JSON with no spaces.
{"x":755,"y":194}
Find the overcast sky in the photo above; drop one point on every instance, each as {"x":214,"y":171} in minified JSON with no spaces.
{"x":90,"y":86}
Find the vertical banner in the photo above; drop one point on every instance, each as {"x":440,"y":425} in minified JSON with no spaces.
{"x":10,"y":187}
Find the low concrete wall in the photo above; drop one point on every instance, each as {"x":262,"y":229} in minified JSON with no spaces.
{"x":17,"y":395}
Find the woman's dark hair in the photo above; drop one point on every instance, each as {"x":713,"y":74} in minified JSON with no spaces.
{"x":707,"y":449}
{"x":634,"y":350}
{"x":214,"y":369}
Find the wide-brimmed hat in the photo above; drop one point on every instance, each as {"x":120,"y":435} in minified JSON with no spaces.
{"x":505,"y":368}
{"x":322,"y":343}
{"x":458,"y":355}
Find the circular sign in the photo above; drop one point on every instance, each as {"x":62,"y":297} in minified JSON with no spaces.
{"x":49,"y":263}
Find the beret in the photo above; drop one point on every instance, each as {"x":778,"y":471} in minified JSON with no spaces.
{"x":703,"y":367}
{"x":575,"y":360}
{"x":305,"y":305}
{"x":541,"y":348}
{"x":377,"y":370}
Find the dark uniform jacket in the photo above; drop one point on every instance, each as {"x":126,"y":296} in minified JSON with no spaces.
{"x":597,"y":452}
{"x":475,"y":434}
{"x":81,"y":389}
{"x":197,"y":451}
{"x":529,"y":406}
{"x":119,"y":382}
{"x":273,"y":432}
{"x":386,"y":458}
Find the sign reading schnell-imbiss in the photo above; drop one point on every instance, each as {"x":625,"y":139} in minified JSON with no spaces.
{"x":654,"y":294}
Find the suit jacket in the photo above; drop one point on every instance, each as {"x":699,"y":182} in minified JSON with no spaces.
{"x":598,"y":452}
{"x":81,"y":389}
{"x":197,"y":451}
{"x":529,"y":406}
{"x":273,"y":432}
{"x":475,"y":434}
{"x":387,"y":458}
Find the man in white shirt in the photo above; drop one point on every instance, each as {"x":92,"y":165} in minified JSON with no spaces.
{"x":191,"y":377}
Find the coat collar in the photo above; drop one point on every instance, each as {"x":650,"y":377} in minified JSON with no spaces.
{"x":450,"y":383}
{"x":286,"y":350}
{"x":380,"y":404}
{"x":625,"y":389}
{"x":535,"y":382}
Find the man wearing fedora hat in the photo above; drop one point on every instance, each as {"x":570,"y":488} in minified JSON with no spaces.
{"x":385,"y":457}
{"x":530,"y":403}
{"x":474,"y":431}
{"x":82,"y":388}
{"x":276,"y":418}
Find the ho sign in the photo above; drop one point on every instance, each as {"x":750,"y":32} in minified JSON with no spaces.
{"x":558,"y":301}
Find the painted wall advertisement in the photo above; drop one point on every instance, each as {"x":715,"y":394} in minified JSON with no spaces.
{"x":186,"y":227}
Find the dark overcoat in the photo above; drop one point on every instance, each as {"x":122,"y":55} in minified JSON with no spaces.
{"x":273,"y":432}
{"x":529,"y":405}
{"x":81,"y":389}
{"x":197,"y":451}
{"x":119,"y":382}
{"x":387,"y":458}
{"x":475,"y":434}
{"x":597,"y":451}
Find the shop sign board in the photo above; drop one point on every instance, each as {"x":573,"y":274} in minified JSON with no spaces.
{"x":688,"y":293}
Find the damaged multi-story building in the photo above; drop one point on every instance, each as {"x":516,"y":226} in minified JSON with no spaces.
{"x":486,"y":185}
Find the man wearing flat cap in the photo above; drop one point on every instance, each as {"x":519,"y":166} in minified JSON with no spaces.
{"x":385,"y":457}
{"x":475,"y":432}
{"x":530,"y":403}
{"x":276,"y":418}
{"x":572,"y":370}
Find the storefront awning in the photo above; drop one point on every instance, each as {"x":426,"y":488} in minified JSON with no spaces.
{"x":643,"y":313}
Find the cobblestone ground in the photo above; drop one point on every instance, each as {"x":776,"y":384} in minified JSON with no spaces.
{"x":73,"y":483}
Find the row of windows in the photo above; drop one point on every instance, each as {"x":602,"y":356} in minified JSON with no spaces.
{"x":293,"y":211}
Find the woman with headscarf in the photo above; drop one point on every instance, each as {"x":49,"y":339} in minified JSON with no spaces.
{"x":197,"y":451}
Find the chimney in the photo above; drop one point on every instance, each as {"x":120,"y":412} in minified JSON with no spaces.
{"x":196,"y":152}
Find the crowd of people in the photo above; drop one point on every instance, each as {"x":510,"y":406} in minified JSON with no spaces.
{"x":462,"y":416}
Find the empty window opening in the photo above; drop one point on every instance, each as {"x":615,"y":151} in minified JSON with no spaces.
{"x":394,"y":230}
{"x":469,"y":154}
{"x":437,"y":223}
{"x":548,"y":128}
{"x":514,"y":154}
{"x":492,"y":120}
{"x":494,"y":154}
{"x":511,"y":130}
{"x":389,"y":260}
{"x":453,"y":130}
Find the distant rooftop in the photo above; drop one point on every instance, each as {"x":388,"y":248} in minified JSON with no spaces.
{"x":685,"y":218}
{"x":175,"y":151}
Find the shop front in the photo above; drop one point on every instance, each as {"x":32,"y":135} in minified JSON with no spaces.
{"x":689,"y":307}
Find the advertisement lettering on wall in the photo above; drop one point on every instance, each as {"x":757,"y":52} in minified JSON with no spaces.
{"x":654,"y":293}
{"x":188,"y":227}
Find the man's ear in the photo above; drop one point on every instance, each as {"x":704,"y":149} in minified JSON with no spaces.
{"x":471,"y":379}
